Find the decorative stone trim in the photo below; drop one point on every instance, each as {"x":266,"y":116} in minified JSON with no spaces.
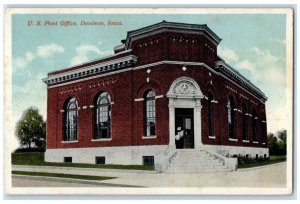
{"x":263,"y":143}
{"x":84,"y":107}
{"x":246,"y":141}
{"x":255,"y":142}
{"x":149,"y":137}
{"x":73,"y":141}
{"x":212,"y":137}
{"x":233,"y":139}
{"x":101,"y":139}
{"x":256,"y":118}
{"x":92,"y":106}
{"x":62,"y":111}
{"x":78,"y":108}
{"x":231,"y":89}
{"x":253,"y":102}
{"x":228,"y":71}
{"x":248,"y":114}
{"x":101,"y":67}
{"x":171,"y":27}
{"x":214,"y":101}
{"x":263,"y":121}
{"x":159,"y":96}
{"x":139,"y":99}
{"x":112,"y":103}
{"x":148,"y":79}
{"x":244,"y":96}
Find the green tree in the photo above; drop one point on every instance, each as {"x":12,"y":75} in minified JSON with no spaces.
{"x":31,"y":129}
{"x":282,"y":141}
{"x":272,"y":144}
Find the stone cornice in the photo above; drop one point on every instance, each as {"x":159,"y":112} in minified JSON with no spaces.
{"x":99,"y":68}
{"x":231,"y":73}
{"x":171,"y":27}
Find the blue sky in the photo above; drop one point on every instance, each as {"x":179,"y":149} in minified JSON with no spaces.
{"x":253,"y":44}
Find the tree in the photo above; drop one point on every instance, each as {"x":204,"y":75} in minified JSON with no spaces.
{"x":277,"y":143}
{"x":31,"y":129}
{"x":282,"y":142}
{"x":272,"y":144}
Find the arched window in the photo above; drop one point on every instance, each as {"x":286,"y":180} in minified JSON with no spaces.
{"x":102,"y":127}
{"x":254,"y":125}
{"x":150,"y":115}
{"x":210,"y":115}
{"x":70,"y":120}
{"x":231,"y":117}
{"x":244,"y":122}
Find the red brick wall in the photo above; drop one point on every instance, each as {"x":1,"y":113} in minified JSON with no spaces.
{"x":128,"y":126}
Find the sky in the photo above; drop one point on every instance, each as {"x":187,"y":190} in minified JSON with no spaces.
{"x":254,"y":44}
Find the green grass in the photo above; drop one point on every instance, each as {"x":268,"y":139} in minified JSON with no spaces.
{"x":248,"y":163}
{"x":73,"y":176}
{"x":37,"y":159}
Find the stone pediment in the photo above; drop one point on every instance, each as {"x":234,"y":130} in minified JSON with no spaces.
{"x":184,"y":87}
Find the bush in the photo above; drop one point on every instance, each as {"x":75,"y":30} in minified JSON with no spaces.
{"x":19,"y":150}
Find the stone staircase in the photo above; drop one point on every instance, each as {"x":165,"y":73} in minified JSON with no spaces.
{"x":191,"y":160}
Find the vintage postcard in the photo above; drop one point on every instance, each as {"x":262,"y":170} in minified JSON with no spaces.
{"x":148,"y":101}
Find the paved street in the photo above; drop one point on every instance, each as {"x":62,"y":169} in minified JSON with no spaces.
{"x":272,"y":176}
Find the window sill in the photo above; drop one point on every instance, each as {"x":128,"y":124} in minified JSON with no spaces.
{"x":212,"y":137}
{"x":149,"y":137}
{"x":234,"y":140}
{"x":255,"y":142}
{"x":246,"y":141}
{"x":71,"y":141}
{"x":263,"y":143}
{"x":101,"y":139}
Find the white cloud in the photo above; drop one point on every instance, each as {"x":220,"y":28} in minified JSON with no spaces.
{"x":264,"y":55}
{"x":246,"y":65}
{"x":279,"y":41}
{"x":42,"y":51}
{"x":22,"y":62}
{"x":47,"y":50}
{"x":229,"y":55}
{"x":83,"y":51}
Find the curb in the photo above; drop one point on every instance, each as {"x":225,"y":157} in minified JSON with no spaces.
{"x":33,"y":167}
{"x":72,"y":180}
{"x":261,"y":167}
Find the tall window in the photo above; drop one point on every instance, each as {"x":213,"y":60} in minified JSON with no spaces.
{"x":102,"y":116}
{"x":210,"y":115}
{"x":231,"y":117}
{"x":70,"y":120}
{"x":244,"y":122}
{"x":150,"y":113}
{"x":254,"y":125}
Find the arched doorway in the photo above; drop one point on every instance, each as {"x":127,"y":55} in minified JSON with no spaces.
{"x":185,"y":114}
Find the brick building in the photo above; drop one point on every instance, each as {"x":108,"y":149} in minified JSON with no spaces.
{"x":164,"y":91}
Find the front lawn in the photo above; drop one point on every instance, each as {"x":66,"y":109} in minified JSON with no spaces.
{"x":244,"y":162}
{"x":37,"y":159}
{"x":57,"y":175}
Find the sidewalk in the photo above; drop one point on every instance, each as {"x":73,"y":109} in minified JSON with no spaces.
{"x":269,"y":176}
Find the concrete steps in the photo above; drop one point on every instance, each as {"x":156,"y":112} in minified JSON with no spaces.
{"x":191,"y":160}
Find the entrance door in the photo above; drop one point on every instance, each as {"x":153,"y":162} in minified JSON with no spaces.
{"x":184,"y":128}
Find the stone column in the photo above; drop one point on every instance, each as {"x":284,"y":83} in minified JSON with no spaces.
{"x":197,"y":125}
{"x":171,"y":124}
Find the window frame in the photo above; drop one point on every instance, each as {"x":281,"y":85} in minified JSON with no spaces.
{"x":102,"y":111}
{"x":210,"y":114}
{"x":70,"y":134}
{"x":254,"y":126}
{"x":244,"y":123}
{"x":231,"y":118}
{"x":149,"y":114}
